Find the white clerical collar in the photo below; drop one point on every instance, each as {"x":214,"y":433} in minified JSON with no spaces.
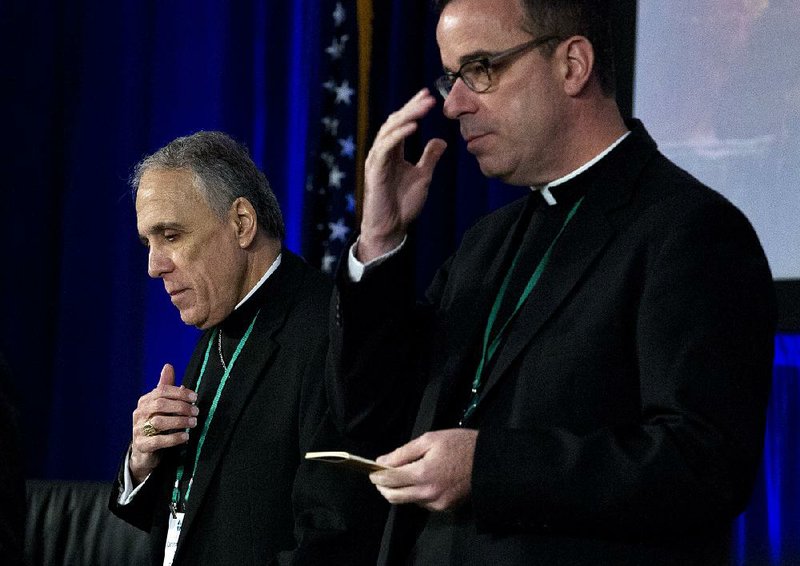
{"x":261,"y":281}
{"x":545,"y":189}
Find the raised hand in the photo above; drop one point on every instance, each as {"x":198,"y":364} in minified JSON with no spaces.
{"x":161,"y":420}
{"x":394,"y":189}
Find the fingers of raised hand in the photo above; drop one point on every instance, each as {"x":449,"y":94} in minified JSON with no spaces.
{"x":166,"y":391}
{"x":152,"y":405}
{"x":162,"y":418}
{"x":389,"y":143}
{"x":165,"y":399}
{"x":173,"y":435}
{"x":160,"y":425}
{"x":402,"y":123}
{"x":416,"y":107}
{"x":431,"y":155}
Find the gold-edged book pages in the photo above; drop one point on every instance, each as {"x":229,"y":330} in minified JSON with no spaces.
{"x":347,"y":460}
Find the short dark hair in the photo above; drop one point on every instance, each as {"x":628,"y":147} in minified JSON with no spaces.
{"x":223,"y":172}
{"x":566,"y":18}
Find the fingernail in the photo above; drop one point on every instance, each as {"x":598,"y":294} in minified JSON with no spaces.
{"x":195,"y":410}
{"x":193,"y":397}
{"x":192,"y":422}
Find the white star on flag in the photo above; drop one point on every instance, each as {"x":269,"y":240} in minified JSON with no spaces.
{"x":327,"y":262}
{"x":333,"y":150}
{"x":348,"y":147}
{"x":335,"y":177}
{"x":339,"y":15}
{"x":339,"y":230}
{"x":336,"y":48}
{"x":331,"y":125}
{"x":328,"y":158}
{"x":344,"y":92}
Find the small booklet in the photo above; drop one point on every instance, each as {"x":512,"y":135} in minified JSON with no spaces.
{"x":347,"y":460}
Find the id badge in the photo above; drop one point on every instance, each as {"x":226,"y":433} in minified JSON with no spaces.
{"x":175,"y":523}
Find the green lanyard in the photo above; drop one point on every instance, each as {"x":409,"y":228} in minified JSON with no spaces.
{"x":179,"y":473}
{"x":489,"y":349}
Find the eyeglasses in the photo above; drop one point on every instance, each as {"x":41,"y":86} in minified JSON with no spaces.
{"x":477,"y":74}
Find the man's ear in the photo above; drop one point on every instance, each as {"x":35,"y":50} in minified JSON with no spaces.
{"x":245,"y":220}
{"x":578,"y":63}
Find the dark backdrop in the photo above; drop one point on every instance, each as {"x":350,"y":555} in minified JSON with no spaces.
{"x":90,"y":86}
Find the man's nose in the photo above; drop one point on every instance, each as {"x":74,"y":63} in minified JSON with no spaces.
{"x":158,"y":263}
{"x":460,"y":101}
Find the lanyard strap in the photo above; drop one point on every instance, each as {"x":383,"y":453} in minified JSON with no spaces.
{"x":489,"y":349}
{"x":179,"y":472}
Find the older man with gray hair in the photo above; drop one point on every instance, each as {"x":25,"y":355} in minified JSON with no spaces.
{"x":215,"y":469}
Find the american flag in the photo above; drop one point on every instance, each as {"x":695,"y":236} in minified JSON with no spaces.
{"x":331,"y":178}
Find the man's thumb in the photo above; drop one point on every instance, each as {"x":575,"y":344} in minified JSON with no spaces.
{"x":431,"y":154}
{"x":167,"y":376}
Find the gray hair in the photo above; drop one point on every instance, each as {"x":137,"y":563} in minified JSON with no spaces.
{"x":223,"y":172}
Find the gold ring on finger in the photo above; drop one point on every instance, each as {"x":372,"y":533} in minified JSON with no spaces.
{"x":148,"y":429}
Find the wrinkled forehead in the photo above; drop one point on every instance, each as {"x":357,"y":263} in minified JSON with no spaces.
{"x":471,"y":28}
{"x":168,"y":185}
{"x":169,"y":196}
{"x":168,"y":181}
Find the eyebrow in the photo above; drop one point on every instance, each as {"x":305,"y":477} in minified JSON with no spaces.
{"x":471,"y":56}
{"x":158,"y":228}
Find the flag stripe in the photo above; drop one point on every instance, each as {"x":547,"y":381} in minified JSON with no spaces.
{"x":365,"y":16}
{"x":331,"y":167}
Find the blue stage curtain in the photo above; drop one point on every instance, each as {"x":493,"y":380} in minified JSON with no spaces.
{"x":89,"y":87}
{"x":768,"y":533}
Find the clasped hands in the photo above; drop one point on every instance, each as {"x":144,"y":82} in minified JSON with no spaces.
{"x":434,"y":470}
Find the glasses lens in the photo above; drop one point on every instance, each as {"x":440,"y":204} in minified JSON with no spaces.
{"x":444,"y":85}
{"x":477,"y":76}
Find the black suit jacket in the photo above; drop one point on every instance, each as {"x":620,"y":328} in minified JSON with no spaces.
{"x":253,"y":498}
{"x":622,"y":420}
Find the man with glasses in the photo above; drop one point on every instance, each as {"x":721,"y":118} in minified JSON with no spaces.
{"x":588,"y":381}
